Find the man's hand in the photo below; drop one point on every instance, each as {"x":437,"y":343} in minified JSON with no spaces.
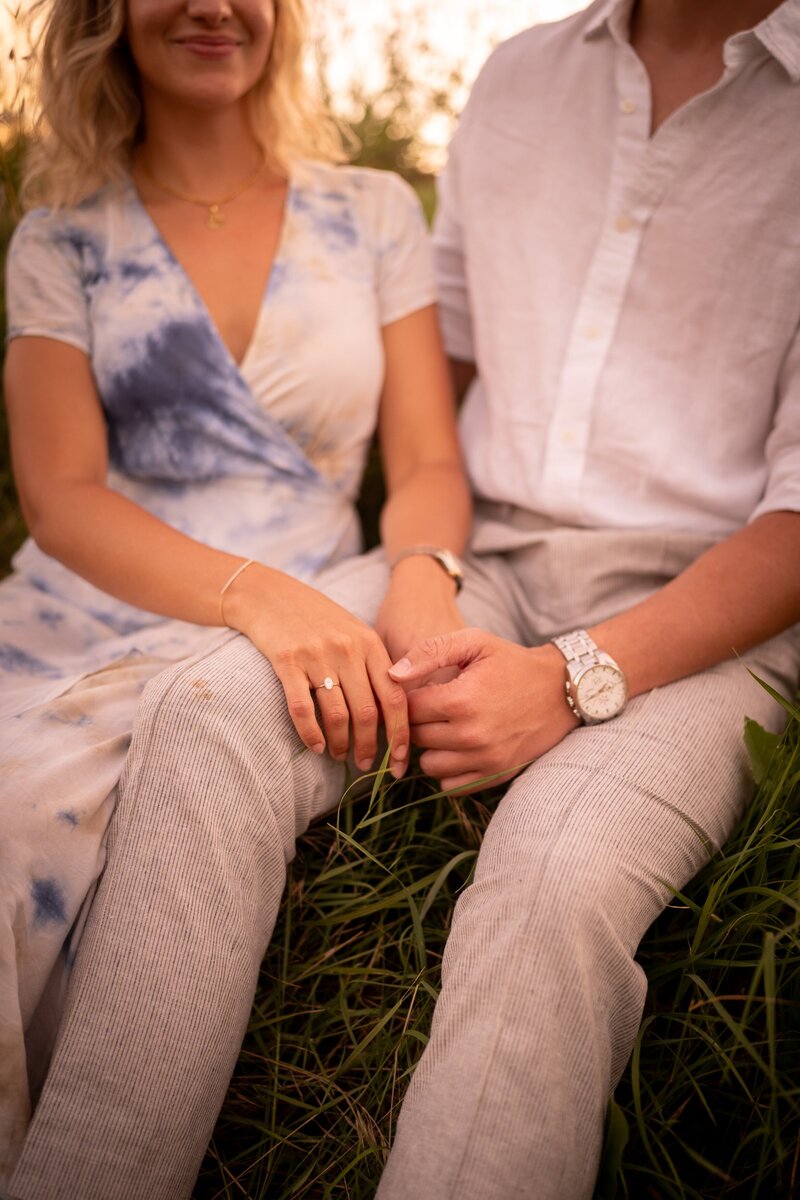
{"x":505,"y":708}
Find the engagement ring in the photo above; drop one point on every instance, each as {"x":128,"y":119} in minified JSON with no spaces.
{"x":328,"y":684}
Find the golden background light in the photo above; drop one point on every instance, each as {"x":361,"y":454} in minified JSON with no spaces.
{"x":443,"y":47}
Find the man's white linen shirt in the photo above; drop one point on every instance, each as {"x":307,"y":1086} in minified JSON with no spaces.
{"x":632,"y":302}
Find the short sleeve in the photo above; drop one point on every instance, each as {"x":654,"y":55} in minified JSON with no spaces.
{"x":405,"y":259}
{"x":44,"y":292}
{"x":782,"y":489}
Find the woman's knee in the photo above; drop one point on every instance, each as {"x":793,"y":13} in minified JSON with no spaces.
{"x":232,"y":686}
{"x":213,"y":740}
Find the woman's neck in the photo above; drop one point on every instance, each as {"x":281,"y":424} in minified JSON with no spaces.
{"x":198,"y":152}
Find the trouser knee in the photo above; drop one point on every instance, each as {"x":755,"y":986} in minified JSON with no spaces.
{"x":213,"y":738}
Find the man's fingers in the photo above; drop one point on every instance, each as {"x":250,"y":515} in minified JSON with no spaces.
{"x":463,"y":766}
{"x":474,"y":781}
{"x":439,"y":735}
{"x":455,"y":649}
{"x":432,"y":703}
{"x":445,"y":764}
{"x":301,"y":707}
{"x":464,"y":785}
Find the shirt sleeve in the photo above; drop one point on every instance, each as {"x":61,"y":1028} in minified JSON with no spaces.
{"x":44,"y":292}
{"x":782,"y":489}
{"x":450,"y":259}
{"x":405,"y":260}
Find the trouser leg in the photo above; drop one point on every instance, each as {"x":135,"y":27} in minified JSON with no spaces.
{"x":216,"y":789}
{"x":541,"y":997}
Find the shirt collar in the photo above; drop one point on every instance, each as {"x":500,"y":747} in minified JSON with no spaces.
{"x":611,"y":15}
{"x":779,"y":33}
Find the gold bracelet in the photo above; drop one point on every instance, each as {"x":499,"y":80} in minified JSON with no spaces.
{"x":243,"y":567}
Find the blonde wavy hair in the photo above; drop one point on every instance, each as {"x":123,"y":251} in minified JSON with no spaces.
{"x":88,"y":108}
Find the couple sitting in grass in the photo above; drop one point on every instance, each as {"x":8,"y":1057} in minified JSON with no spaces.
{"x":208,"y":318}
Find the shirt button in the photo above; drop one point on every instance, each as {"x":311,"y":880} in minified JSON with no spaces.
{"x":628,"y":106}
{"x":592,"y":332}
{"x":568,"y":437}
{"x":623,"y":224}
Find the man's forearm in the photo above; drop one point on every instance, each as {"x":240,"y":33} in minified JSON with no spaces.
{"x":741,"y":592}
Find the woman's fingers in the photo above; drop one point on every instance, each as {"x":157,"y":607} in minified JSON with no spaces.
{"x":349,"y":711}
{"x":335,"y":717}
{"x":300,"y":704}
{"x":394,"y":707}
{"x":351,"y":708}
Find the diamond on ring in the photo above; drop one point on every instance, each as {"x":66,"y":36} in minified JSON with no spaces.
{"x":327,"y":685}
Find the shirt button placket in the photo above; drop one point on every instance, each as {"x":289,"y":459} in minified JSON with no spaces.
{"x":600,"y":304}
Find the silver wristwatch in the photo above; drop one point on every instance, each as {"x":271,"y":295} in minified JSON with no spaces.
{"x":596,"y":687}
{"x":445,"y":558}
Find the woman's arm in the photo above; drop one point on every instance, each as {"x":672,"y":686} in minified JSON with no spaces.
{"x":428,"y":495}
{"x":60,"y":456}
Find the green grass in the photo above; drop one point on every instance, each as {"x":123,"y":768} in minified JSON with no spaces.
{"x":710,"y":1106}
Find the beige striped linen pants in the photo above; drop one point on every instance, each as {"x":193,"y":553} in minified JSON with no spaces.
{"x":541,"y":997}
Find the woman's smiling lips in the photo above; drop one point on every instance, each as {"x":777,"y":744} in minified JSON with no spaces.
{"x":209,"y":47}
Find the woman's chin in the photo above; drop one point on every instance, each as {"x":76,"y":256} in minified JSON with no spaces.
{"x":206,"y":95}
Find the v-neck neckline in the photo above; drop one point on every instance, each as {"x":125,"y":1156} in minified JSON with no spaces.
{"x":239,"y":367}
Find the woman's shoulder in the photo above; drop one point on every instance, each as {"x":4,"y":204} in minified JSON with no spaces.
{"x":65,"y":229}
{"x":377,"y":195}
{"x":54,"y":255}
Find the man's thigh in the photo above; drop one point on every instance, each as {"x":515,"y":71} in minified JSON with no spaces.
{"x":622,"y":814}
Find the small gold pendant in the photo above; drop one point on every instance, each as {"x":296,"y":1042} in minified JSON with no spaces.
{"x":216,"y":218}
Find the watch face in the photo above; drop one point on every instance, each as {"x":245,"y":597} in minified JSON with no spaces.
{"x":601,"y":692}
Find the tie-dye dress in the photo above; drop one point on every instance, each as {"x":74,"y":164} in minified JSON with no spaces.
{"x":260,"y":459}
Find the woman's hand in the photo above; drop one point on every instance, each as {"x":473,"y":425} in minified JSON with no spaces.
{"x":308,"y":637}
{"x":419,"y":603}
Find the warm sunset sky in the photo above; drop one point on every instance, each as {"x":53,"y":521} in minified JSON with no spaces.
{"x":460,"y":34}
{"x":455,"y":28}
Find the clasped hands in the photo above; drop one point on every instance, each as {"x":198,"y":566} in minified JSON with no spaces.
{"x":479,"y":707}
{"x":503,"y":709}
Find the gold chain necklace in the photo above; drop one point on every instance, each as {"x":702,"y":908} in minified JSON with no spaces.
{"x":216,"y":217}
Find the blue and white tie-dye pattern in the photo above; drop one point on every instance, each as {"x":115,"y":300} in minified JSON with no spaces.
{"x":260,"y":458}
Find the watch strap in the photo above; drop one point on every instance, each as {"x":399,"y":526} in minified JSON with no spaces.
{"x":445,"y":558}
{"x":578,"y":648}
